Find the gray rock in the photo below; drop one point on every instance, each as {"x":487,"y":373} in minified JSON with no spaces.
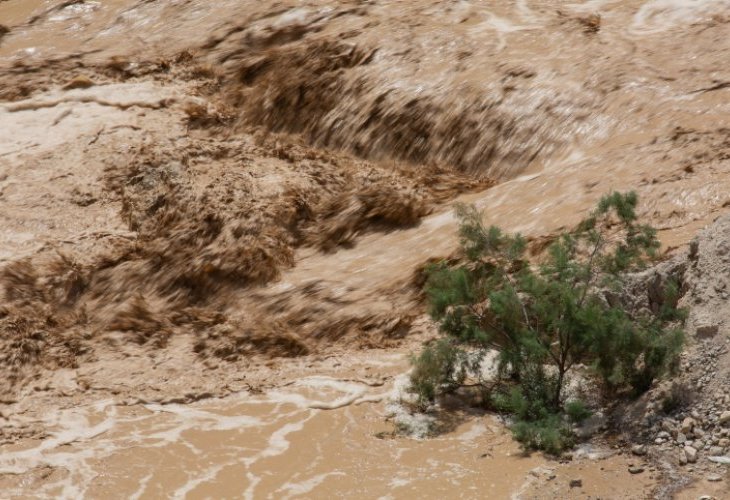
{"x":716,"y":450}
{"x":691,"y":454}
{"x":638,"y":449}
{"x":724,"y":418}
{"x":687,"y":425}
{"x":707,"y":331}
{"x":576,"y":483}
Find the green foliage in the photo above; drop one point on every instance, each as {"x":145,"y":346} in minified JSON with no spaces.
{"x":545,"y":318}
{"x":531,"y":399}
{"x":438,"y":367}
{"x":577,"y":411}
{"x":550,"y":434}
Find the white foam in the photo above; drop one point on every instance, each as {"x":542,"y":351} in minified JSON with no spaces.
{"x":294,"y":489}
{"x":476,"y":430}
{"x":142,"y":487}
{"x":660,"y":15}
{"x":208,"y":475}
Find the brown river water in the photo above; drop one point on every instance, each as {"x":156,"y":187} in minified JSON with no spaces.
{"x":531,"y":93}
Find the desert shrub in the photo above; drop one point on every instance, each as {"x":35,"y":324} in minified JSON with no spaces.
{"x":544,"y":318}
{"x":550,"y":434}
{"x":577,"y":411}
{"x":436,"y":369}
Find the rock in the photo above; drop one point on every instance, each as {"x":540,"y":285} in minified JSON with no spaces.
{"x":576,"y":483}
{"x":668,"y":426}
{"x":687,"y":425}
{"x":638,"y":450}
{"x":542,"y":472}
{"x":636,"y":470}
{"x":720,"y":460}
{"x":707,"y":330}
{"x":682,"y":457}
{"x":681,"y":438}
{"x":691,"y":454}
{"x":714,"y":478}
{"x":79,"y":82}
{"x":716,"y":450}
{"x":724,"y":418}
{"x":663,"y":435}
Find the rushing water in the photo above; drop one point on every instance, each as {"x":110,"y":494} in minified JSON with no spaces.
{"x":330,"y":434}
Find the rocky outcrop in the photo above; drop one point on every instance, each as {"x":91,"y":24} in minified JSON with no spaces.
{"x":686,"y":421}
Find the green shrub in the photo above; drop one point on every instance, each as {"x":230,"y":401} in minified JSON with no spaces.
{"x":550,"y":434}
{"x":576,"y":411}
{"x":437,"y":368}
{"x":545,"y":318}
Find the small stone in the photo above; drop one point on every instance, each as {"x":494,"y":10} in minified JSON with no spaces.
{"x":687,"y":425}
{"x":79,"y":82}
{"x":663,"y":435}
{"x":638,"y":450}
{"x":724,"y":418}
{"x":691,"y":454}
{"x":576,"y":483}
{"x":707,"y":331}
{"x":682,"y":457}
{"x":636,"y":470}
{"x":714,"y":478}
{"x":681,"y":438}
{"x":668,"y":426}
{"x":716,"y":450}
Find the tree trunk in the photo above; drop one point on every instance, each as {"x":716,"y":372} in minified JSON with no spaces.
{"x":559,"y":388}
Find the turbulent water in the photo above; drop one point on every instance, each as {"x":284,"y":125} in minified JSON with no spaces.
{"x":212,"y":216}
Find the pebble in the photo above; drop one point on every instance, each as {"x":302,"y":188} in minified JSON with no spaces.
{"x":638,"y":449}
{"x":724,"y":418}
{"x":687,"y":425}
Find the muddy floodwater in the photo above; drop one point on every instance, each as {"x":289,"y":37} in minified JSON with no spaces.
{"x":214,"y":216}
{"x":317,"y":437}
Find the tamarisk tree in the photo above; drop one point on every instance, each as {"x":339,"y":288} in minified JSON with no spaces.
{"x":544,"y":318}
